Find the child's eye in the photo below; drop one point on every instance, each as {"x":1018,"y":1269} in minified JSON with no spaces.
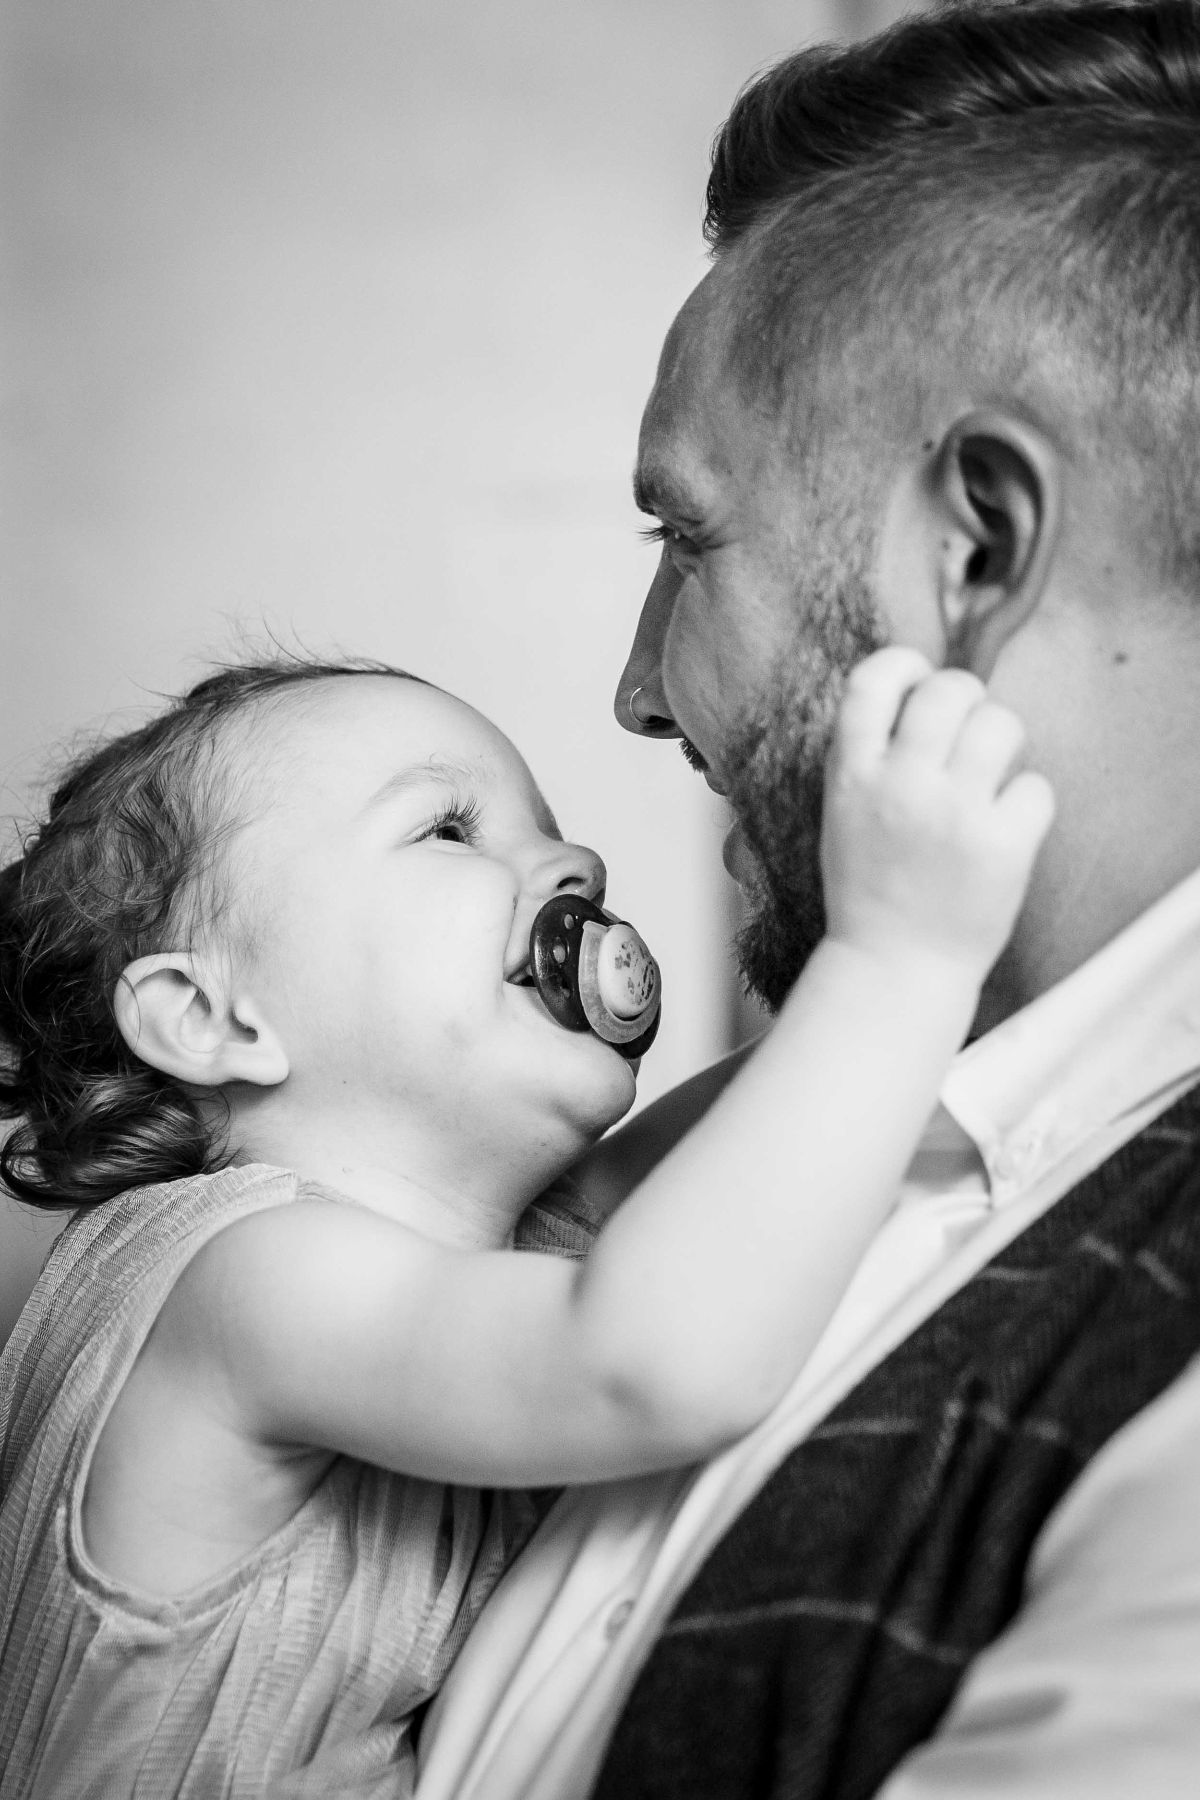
{"x":455,"y":823}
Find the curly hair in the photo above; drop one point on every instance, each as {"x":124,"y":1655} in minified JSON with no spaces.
{"x":125,"y":860}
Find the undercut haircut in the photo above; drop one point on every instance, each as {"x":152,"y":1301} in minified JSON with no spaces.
{"x":1006,"y":192}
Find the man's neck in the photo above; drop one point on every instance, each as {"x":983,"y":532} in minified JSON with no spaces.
{"x":1055,"y":939}
{"x":1111,"y":712}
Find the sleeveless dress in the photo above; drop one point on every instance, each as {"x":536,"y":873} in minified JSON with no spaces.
{"x":295,"y":1673}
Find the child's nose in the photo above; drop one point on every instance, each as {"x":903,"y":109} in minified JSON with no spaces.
{"x":560,"y":869}
{"x":578,"y":870}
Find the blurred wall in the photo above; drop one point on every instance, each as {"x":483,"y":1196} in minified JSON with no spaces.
{"x":333,"y":320}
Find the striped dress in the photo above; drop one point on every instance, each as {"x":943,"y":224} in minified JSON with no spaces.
{"x":295,"y":1673}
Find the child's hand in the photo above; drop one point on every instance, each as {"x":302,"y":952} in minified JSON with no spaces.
{"x":928,"y":839}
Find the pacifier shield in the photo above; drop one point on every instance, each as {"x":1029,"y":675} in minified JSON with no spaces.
{"x":594,"y":973}
{"x":626,"y":974}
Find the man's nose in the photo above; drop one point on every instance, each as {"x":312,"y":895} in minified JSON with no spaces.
{"x":641,"y":703}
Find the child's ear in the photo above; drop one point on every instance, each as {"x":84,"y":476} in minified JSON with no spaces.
{"x":997,"y":484}
{"x":177,"y":1015}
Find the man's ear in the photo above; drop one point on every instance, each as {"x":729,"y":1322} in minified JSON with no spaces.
{"x":997,"y":489}
{"x":177,"y":1015}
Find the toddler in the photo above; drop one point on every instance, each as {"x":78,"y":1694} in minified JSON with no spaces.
{"x":270,"y":1420}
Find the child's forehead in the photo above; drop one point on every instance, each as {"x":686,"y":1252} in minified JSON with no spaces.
{"x":355,"y":733}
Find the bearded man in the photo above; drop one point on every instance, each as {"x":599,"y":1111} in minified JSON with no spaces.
{"x":941,"y":388}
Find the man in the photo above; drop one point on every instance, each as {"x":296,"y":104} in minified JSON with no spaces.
{"x":941,"y":386}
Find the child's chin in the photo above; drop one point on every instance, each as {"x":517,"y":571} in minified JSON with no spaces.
{"x":610,"y":1090}
{"x":624,"y":1088}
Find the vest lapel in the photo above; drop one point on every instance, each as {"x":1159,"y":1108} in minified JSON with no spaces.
{"x":827,"y":1633}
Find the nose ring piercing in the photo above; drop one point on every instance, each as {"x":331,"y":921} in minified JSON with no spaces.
{"x":629,"y":705}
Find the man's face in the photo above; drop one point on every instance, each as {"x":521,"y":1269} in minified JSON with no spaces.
{"x":759,"y":608}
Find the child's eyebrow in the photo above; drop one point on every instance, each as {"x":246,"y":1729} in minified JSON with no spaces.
{"x":435,"y":768}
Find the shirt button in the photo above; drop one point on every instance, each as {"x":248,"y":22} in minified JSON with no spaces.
{"x":617,"y":1618}
{"x":1016,"y":1159}
{"x":1005,"y":1165}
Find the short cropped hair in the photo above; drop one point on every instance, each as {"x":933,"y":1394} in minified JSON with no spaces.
{"x":1009,"y":190}
{"x":837,"y":106}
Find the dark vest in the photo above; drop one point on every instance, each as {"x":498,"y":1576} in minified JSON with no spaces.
{"x":827,"y":1633}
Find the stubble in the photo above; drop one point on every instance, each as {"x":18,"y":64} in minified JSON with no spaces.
{"x":776,"y":764}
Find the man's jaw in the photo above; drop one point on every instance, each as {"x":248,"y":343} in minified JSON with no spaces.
{"x":775,"y":778}
{"x":735,"y":851}
{"x":783,"y":917}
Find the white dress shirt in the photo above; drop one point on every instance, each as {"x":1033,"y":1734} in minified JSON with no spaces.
{"x":1096,"y":1684}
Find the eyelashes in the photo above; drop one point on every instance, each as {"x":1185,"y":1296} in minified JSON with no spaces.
{"x":666,"y":534}
{"x":460,"y":815}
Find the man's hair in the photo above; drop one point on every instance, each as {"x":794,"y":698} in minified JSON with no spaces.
{"x":1006,"y":191}
{"x":837,"y":106}
{"x":125,"y":862}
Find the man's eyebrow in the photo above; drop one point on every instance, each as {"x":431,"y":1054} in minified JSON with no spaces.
{"x":439,"y":769}
{"x":656,"y":491}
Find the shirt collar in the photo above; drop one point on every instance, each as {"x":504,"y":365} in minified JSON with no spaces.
{"x":1119,"y":1034}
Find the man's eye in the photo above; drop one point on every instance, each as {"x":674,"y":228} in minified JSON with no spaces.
{"x":668,"y":535}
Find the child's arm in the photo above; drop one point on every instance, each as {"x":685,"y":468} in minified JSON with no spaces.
{"x":335,"y":1327}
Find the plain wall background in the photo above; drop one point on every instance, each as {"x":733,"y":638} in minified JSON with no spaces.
{"x":333,"y":319}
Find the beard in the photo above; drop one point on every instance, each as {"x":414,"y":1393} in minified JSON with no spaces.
{"x":776,"y":770}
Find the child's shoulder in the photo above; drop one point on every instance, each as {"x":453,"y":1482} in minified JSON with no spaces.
{"x":146,"y":1222}
{"x":121,"y":1256}
{"x":104,"y":1287}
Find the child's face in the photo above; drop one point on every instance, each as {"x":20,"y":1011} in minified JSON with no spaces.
{"x":388,"y":879}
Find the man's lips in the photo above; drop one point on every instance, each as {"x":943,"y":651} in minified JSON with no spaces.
{"x":738,"y":857}
{"x":695,"y":759}
{"x":736,"y":853}
{"x":700,"y":764}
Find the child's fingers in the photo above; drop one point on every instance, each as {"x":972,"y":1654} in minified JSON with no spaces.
{"x":1026,"y":806}
{"x":935,"y":712}
{"x":875,"y":691}
{"x":987,"y":747}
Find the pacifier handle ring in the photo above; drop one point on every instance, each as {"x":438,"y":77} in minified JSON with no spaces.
{"x":565,"y":941}
{"x":604,"y":1022}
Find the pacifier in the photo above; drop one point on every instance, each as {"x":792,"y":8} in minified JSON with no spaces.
{"x":594,"y":973}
